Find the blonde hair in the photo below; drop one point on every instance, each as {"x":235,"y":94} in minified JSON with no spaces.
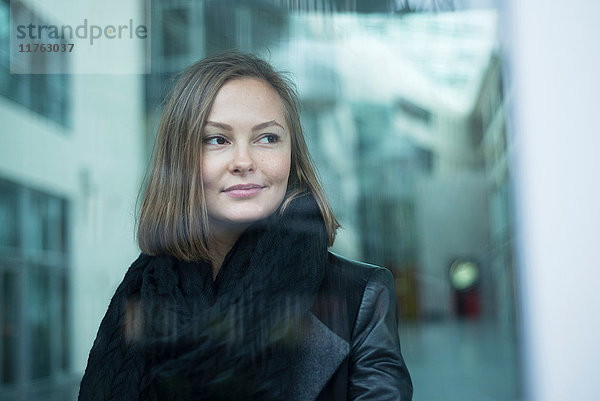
{"x":173,"y":217}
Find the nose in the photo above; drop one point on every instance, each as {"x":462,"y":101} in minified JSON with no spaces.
{"x":242,"y":161}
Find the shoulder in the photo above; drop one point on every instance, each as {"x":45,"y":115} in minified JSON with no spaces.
{"x":346,"y":285}
{"x":354,"y":274}
{"x":376,"y":368}
{"x":141,"y":271}
{"x":366,"y":285}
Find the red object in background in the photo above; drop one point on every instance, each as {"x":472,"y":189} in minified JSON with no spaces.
{"x":464,"y":275}
{"x":468,"y":303}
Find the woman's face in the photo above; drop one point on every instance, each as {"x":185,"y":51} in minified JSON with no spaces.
{"x":246,"y":154}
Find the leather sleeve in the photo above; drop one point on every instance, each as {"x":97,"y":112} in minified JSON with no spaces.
{"x":377,"y":369}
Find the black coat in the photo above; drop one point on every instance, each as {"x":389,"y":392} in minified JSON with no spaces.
{"x":166,"y":334}
{"x":349,"y":342}
{"x":355,"y":348}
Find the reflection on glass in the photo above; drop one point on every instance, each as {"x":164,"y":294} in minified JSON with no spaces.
{"x":405,"y":115}
{"x":39,"y":314}
{"x":176,"y":37}
{"x":65,"y":324}
{"x":45,"y":94}
{"x":9,"y":229}
{"x":35,"y":338}
{"x":39,"y":223}
{"x":9,"y":326}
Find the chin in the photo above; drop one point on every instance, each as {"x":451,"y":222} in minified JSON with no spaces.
{"x":246,"y":215}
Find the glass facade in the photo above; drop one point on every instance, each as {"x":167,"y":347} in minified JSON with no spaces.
{"x":45,"y":94}
{"x":35,"y":279}
{"x":404,"y":107}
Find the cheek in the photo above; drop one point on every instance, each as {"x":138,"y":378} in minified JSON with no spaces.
{"x":280,"y":169}
{"x":207,"y":172}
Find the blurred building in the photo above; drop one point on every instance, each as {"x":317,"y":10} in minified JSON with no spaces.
{"x":388,"y":113}
{"x":70,"y":163}
{"x":399,"y":94}
{"x":405,"y":117}
{"x":491,"y":128}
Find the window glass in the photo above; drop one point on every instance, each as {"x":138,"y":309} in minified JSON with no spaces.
{"x":35,"y":337}
{"x":39,"y":222}
{"x":9,"y":227}
{"x":9,"y":326}
{"x":175,"y":25}
{"x":45,"y":94}
{"x":39,"y":320}
{"x":404,"y":107}
{"x":65,"y":322}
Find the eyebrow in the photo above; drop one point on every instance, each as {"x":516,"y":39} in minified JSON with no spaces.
{"x":255,"y":128}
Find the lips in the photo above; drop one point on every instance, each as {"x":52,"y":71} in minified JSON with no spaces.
{"x":242,"y":187}
{"x":243,"y":190}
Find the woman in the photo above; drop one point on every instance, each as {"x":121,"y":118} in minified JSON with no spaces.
{"x":235,"y":296}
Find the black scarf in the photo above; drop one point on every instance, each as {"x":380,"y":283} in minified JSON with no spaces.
{"x":171,"y":333}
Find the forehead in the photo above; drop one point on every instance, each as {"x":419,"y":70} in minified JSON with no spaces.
{"x":247,"y":96}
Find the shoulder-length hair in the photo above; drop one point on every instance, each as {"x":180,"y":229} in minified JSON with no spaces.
{"x":173,"y":217}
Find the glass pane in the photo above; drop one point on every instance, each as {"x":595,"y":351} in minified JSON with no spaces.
{"x":56,"y":101}
{"x":40,"y":94}
{"x":65,"y":327}
{"x":37,"y":222}
{"x":9,"y":326}
{"x":55,"y":225}
{"x":65,"y":96}
{"x":39,"y":312}
{"x":403,"y":113}
{"x":220,"y":29}
{"x":9,"y":229}
{"x":64,"y":225}
{"x":19,"y":84}
{"x":30,"y":90}
{"x":45,"y":231}
{"x":175,"y":28}
{"x":4,"y":47}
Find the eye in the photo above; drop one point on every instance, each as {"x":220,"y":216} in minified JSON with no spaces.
{"x":215,"y":140}
{"x":269,"y":138}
